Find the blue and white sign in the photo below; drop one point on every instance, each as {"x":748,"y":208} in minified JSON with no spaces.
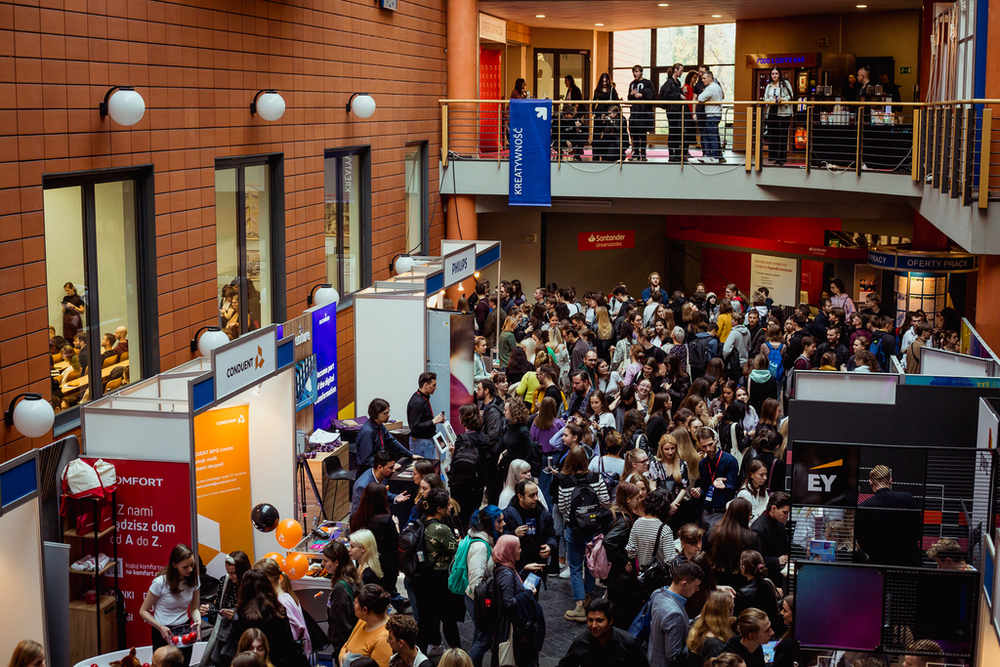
{"x":530,"y":140}
{"x":324,"y":335}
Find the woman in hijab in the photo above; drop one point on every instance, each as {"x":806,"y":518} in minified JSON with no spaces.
{"x":509,"y":584}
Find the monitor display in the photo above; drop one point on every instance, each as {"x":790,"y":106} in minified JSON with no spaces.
{"x":850,"y":594}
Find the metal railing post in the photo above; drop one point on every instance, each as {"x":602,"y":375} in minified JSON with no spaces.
{"x":748,"y":155}
{"x":953,"y":164}
{"x":915,"y":147}
{"x":444,"y":135}
{"x":984,"y":158}
{"x":857,"y":149}
{"x":963,"y":190}
{"x":499,"y":131}
{"x":758,"y":137}
{"x":558,"y":120}
{"x":809,"y":110}
{"x":946,"y":135}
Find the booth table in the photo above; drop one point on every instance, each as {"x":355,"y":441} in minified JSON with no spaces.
{"x":882,"y":146}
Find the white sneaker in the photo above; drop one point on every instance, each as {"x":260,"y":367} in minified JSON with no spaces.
{"x":694,"y":160}
{"x":564,"y":572}
{"x":711,"y":160}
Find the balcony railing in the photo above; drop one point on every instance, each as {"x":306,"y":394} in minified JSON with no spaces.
{"x":948,"y":145}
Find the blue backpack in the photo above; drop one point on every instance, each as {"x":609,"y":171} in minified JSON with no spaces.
{"x":883,"y":359}
{"x":775,"y":364}
{"x":641,"y":624}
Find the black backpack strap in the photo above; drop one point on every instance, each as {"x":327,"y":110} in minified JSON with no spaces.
{"x":656,"y":543}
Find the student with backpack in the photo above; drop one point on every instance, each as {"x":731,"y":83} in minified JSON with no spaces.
{"x":467,"y":475}
{"x":507,"y":593}
{"x":583,"y":501}
{"x":436,"y":603}
{"x":761,"y":383}
{"x":474,"y":560}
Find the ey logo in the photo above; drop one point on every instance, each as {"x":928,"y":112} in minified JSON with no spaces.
{"x":820,"y":482}
{"x":259,"y":363}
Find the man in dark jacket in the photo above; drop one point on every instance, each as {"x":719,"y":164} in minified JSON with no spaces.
{"x":421,"y":419}
{"x":795,"y":342}
{"x":641,"y":119}
{"x":493,"y":422}
{"x":833,"y":344}
{"x":531,"y":523}
{"x":889,"y":524}
{"x":672,"y":89}
{"x":770,"y":529}
{"x":883,"y":342}
{"x":718,"y":471}
{"x":603,"y":645}
{"x":374,"y":437}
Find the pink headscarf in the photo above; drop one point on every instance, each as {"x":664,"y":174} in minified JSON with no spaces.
{"x":505,"y":551}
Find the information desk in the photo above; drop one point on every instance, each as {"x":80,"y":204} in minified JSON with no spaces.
{"x":882,"y":146}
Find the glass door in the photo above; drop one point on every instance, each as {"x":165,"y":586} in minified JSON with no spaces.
{"x":553,"y":66}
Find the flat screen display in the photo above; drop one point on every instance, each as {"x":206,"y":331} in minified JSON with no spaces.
{"x":839,"y":606}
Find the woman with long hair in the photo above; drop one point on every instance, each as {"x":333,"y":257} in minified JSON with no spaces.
{"x":634,"y":430}
{"x":761,"y":385}
{"x":669,"y":471}
{"x":28,"y":653}
{"x":178,"y":587}
{"x":690,"y":118}
{"x":839,"y":298}
{"x":677,"y":381}
{"x":623,"y":404}
{"x":658,"y":420}
{"x":755,"y":631}
{"x":607,"y":132}
{"x":779,"y":114}
{"x":637,"y":469}
{"x":286,"y":596}
{"x":543,"y":429}
{"x":712,"y":629}
{"x":786,"y":653}
{"x":598,"y":412}
{"x":651,"y":372}
{"x":728,"y":539}
{"x":344,"y":581}
{"x":370,"y":638}
{"x":754,"y":489}
{"x":259,"y":607}
{"x":732,"y":436}
{"x":438,"y":605}
{"x":651,"y":538}
{"x":507,"y":341}
{"x":752,"y":418}
{"x":255,"y":642}
{"x":605,"y":334}
{"x":364,"y":551}
{"x":622,"y":582}
{"x":237,"y":564}
{"x":637,"y":356}
{"x":726,"y":397}
{"x":515,"y":438}
{"x":620,"y":357}
{"x":725,"y":320}
{"x":518,"y":470}
{"x":758,"y":592}
{"x":373,"y":514}
{"x":517,"y":365}
{"x":485,"y":527}
{"x":608,"y":381}
{"x":769,"y":414}
{"x":643,"y":395}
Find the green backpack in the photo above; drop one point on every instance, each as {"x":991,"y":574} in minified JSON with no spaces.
{"x":458,"y":574}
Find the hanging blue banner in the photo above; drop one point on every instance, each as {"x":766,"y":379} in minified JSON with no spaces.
{"x":324,"y":341}
{"x":530,"y":141}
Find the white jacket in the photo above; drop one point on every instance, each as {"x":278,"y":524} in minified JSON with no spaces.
{"x":783,"y":91}
{"x":478,"y":560}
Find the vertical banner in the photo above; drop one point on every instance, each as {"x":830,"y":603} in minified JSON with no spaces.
{"x":324,"y":341}
{"x":154,"y":515}
{"x":463,"y":334}
{"x":222,"y":480}
{"x":530,"y":141}
{"x":489,"y":89}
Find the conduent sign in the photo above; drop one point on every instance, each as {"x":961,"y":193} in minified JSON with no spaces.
{"x":624,"y":238}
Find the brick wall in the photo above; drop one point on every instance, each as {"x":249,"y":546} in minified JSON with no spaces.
{"x":198,"y":65}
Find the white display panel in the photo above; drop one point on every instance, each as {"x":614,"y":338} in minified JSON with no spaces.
{"x":846,"y":387}
{"x":389,"y":349}
{"x":147,"y":437}
{"x":23,"y":617}
{"x":944,"y":363}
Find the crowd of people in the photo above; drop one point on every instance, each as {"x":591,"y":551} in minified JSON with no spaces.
{"x":635,"y":448}
{"x":69,"y":357}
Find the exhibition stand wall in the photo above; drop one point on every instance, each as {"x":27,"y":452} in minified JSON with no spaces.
{"x":195,"y":449}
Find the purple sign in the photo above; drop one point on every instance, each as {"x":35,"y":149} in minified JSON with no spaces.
{"x":324,"y":343}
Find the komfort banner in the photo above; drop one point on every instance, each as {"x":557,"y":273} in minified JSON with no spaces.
{"x":154,"y":515}
{"x":324,"y":342}
{"x":530,"y":141}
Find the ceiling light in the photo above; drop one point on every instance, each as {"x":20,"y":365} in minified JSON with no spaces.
{"x":539,"y":16}
{"x":599,"y":25}
{"x":663,"y":4}
{"x":862,"y":6}
{"x":716,"y":16}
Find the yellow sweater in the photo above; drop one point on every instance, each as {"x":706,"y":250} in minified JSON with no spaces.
{"x":371,"y":643}
{"x":725,"y":322}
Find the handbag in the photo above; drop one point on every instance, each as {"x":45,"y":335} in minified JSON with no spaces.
{"x":654,"y":574}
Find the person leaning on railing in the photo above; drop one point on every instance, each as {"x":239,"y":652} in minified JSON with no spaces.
{"x":779,"y":116}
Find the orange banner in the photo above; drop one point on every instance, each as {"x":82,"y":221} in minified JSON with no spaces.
{"x":222,"y":480}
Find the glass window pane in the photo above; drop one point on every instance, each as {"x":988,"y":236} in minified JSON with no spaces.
{"x":66,"y":293}
{"x":258,"y":221}
{"x":117,"y":280}
{"x":545,"y":68}
{"x":720,"y":44}
{"x":676,"y":45}
{"x":331,"y":223}
{"x":413,"y":176}
{"x":227,"y":250}
{"x":350,"y":223}
{"x":632,"y":47}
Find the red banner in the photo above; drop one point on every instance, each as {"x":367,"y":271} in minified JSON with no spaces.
{"x":154,"y":514}
{"x":489,"y":89}
{"x":623,"y":238}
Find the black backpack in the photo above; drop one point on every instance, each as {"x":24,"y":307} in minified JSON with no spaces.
{"x":586,"y":514}
{"x":413,"y":560}
{"x":466,"y":469}
{"x":486,"y":604}
{"x":699,"y":356}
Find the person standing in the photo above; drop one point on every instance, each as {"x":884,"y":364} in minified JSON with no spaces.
{"x":603,"y":644}
{"x":669,"y":621}
{"x":607,"y":133}
{"x":779,"y":115}
{"x":672,"y":90}
{"x":528,"y":520}
{"x":755,"y":631}
{"x":73,"y":308}
{"x":421,"y":419}
{"x":383,"y":465}
{"x":888,"y":537}
{"x":718,"y":472}
{"x":641,"y":118}
{"x":773,"y":536}
{"x":711,"y":97}
{"x":171,"y":606}
{"x":403,"y":641}
{"x":493,"y":422}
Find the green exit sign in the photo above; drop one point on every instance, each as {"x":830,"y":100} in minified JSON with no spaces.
{"x":905,"y":70}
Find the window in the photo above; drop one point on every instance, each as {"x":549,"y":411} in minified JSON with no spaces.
{"x":415,"y":175}
{"x":250,"y":248}
{"x":100,"y":288}
{"x":347,"y":219}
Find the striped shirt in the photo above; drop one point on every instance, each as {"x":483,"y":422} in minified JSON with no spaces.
{"x":566,"y":484}
{"x":642,"y":538}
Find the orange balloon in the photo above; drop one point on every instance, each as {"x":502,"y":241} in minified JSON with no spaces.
{"x":278,"y":558}
{"x":296,"y":565}
{"x":289,"y":533}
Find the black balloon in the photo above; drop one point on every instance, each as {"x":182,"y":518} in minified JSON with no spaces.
{"x":265,"y":517}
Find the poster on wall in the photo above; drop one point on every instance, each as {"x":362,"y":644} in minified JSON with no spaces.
{"x":621,"y":238}
{"x":778,"y":275}
{"x":324,"y":333}
{"x":154,"y":515}
{"x":489,"y":89}
{"x":222,"y":481}
{"x":305,"y":383}
{"x":463,"y":336}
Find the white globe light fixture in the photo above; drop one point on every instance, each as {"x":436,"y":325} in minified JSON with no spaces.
{"x":124,"y":105}
{"x":268,"y":104}
{"x":404,"y":264}
{"x":212,"y":338}
{"x":322,"y":295}
{"x":33,"y":417}
{"x":361,"y":104}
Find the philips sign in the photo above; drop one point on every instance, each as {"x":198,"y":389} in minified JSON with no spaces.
{"x":459,"y":265}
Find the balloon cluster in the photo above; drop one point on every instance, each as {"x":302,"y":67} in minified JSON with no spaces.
{"x":265,"y":518}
